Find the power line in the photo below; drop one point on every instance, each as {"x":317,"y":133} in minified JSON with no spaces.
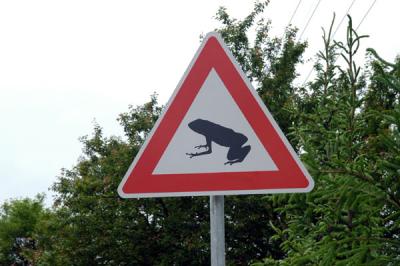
{"x":290,"y":21}
{"x":294,"y":12}
{"x":362,"y":20}
{"x":308,"y":75}
{"x":344,"y":16}
{"x":337,"y":28}
{"x":308,"y":22}
{"x":291,"y":18}
{"x":366,"y":14}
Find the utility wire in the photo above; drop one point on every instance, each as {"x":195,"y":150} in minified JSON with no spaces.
{"x":291,"y":18}
{"x":308,"y":22}
{"x":362,"y":20}
{"x":308,"y":75}
{"x":344,"y":16}
{"x":366,"y":14}
{"x":290,"y":21}
{"x":294,"y":12}
{"x":333,"y":36}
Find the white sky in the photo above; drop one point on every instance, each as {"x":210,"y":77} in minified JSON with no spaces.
{"x":65,"y":63}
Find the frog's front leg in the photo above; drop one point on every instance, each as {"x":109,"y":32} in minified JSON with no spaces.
{"x":201,"y":146}
{"x":207,"y":146}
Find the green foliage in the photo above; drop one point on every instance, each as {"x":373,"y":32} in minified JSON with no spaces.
{"x":348,"y":135}
{"x":21,"y":230}
{"x":344,"y":124}
{"x":95,"y":226}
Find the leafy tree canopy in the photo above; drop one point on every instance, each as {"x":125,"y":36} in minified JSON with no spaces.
{"x":344,"y":124}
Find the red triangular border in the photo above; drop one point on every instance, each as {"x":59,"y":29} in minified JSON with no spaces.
{"x":291,"y":176}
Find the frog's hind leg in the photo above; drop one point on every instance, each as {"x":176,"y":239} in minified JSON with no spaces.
{"x":237,"y":155}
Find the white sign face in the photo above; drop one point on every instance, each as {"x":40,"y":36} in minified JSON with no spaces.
{"x":214,"y":104}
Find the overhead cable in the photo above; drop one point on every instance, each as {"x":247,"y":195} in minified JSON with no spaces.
{"x":333,"y":36}
{"x":344,"y":16}
{"x":294,"y":12}
{"x":362,"y":20}
{"x":309,"y":19}
{"x":366,"y":14}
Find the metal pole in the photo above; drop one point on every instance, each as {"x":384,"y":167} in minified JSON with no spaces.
{"x":217,"y":231}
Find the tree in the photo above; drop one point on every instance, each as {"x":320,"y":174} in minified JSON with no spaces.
{"x":95,"y":226}
{"x":344,"y":124}
{"x":21,"y":227}
{"x":348,"y":137}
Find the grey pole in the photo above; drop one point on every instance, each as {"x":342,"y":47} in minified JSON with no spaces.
{"x":217,"y":231}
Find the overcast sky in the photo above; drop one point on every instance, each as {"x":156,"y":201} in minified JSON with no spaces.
{"x":65,"y":63}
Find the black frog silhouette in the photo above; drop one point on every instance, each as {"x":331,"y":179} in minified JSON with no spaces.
{"x":223,"y":136}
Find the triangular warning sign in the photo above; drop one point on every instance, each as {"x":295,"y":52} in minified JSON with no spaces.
{"x":215,"y":137}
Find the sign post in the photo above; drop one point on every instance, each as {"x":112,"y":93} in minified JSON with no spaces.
{"x":215,"y":137}
{"x":217,"y":230}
